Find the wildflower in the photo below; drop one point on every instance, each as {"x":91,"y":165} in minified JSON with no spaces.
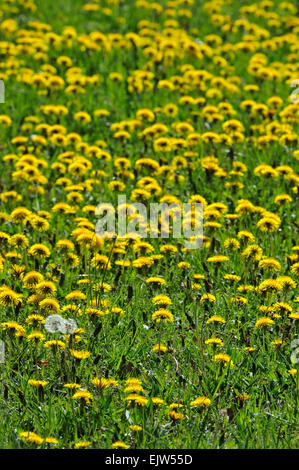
{"x":72,"y":386}
{"x":201,"y":402}
{"x":159,"y":348}
{"x":270,"y":264}
{"x":38,"y":383}
{"x":282,"y":307}
{"x":79,"y":355}
{"x":35,"y":336}
{"x":119,"y":445}
{"x":75,"y":295}
{"x":135,"y":428}
{"x":82,"y":117}
{"x":117,"y":311}
{"x":101,"y":262}
{"x":268,"y":224}
{"x":175,"y":416}
{"x":103,"y":383}
{"x":214,"y":341}
{"x":223,"y":359}
{"x":82,"y":444}
{"x":20,"y":214}
{"x":49,"y":305}
{"x":138,"y":399}
{"x":269,"y":285}
{"x":9,"y":298}
{"x":31,"y":279}
{"x":277,"y":343}
{"x":54,"y":344}
{"x":31,"y":437}
{"x":295,"y":269}
{"x":207,"y":298}
{"x":246,"y":235}
{"x":83,"y":395}
{"x":39,"y":251}
{"x":217,"y":259}
{"x":243,"y":397}
{"x":239,"y":300}
{"x":142,"y":262}
{"x":216,"y":319}
{"x":51,"y":440}
{"x":19,"y":240}
{"x":157,"y":401}
{"x":282,"y":199}
{"x":45,"y":288}
{"x":232,"y":244}
{"x":232,"y":277}
{"x":155,"y":280}
{"x":253,"y":252}
{"x":294,"y":316}
{"x":35,"y":320}
{"x":162,"y":315}
{"x":40,"y":224}
{"x":12,"y":326}
{"x":287,"y":283}
{"x":94,"y":312}
{"x":263,"y":322}
{"x":134,"y":388}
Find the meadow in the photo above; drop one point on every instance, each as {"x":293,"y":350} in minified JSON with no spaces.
{"x":154,"y":345}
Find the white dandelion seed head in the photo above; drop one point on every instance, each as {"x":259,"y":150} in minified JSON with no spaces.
{"x":69,"y":326}
{"x":55,"y":324}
